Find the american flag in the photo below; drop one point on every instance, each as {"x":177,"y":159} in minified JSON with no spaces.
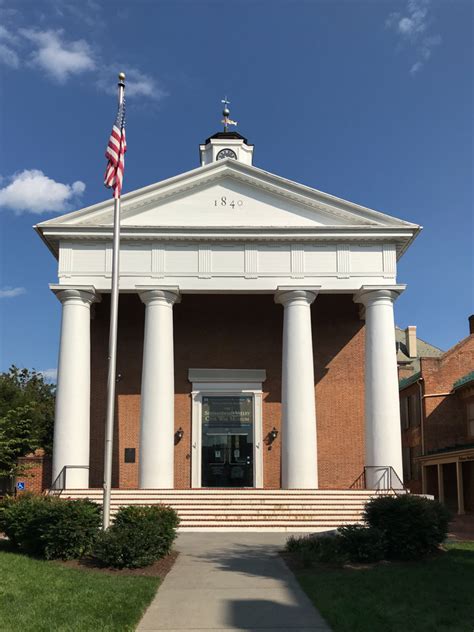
{"x":115,"y":153}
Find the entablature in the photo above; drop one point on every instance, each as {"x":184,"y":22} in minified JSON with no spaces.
{"x":237,"y":266}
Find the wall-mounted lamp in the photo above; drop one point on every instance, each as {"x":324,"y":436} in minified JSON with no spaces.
{"x":270,"y":437}
{"x":178,"y":435}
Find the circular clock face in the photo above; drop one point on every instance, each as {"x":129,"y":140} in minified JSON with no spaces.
{"x":226,"y":153}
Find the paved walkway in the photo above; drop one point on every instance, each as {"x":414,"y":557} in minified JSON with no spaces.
{"x":231,"y":581}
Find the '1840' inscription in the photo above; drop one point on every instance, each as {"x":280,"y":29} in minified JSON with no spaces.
{"x":225,"y":201}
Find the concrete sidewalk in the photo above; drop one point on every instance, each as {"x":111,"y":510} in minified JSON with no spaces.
{"x":231,"y":581}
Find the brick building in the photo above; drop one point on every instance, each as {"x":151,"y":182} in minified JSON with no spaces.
{"x":437,"y":420}
{"x":410,"y":348}
{"x":256,"y":341}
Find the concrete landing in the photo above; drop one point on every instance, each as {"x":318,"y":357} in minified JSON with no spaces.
{"x":231,"y":581}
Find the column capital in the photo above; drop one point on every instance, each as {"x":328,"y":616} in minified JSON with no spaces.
{"x":79,"y":294}
{"x":368,"y":294}
{"x":159,"y":295}
{"x":299,"y":295}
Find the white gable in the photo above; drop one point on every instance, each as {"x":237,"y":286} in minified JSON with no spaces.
{"x":229,"y":226}
{"x":231,"y":203}
{"x":229,"y":194}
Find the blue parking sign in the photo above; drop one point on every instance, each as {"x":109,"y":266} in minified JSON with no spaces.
{"x":20,"y":485}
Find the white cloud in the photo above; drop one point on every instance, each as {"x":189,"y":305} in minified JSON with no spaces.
{"x":87,"y":11}
{"x":417,"y":66}
{"x":137,"y":84}
{"x":50,"y":375}
{"x":30,"y":191}
{"x":7,"y":36}
{"x":8,"y":55}
{"x":140,"y":84}
{"x":10,"y":292}
{"x":59,"y":58}
{"x":412,"y":29}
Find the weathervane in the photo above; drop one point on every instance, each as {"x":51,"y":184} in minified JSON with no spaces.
{"x":225,"y":113}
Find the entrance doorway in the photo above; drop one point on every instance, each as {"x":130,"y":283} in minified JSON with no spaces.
{"x":227,"y":441}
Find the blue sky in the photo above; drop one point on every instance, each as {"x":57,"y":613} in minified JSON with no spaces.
{"x":370,"y":101}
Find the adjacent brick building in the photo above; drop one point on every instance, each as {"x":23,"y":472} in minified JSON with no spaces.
{"x":437,"y":418}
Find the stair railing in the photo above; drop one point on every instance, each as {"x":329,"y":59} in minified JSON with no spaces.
{"x":60,"y":482}
{"x":380,"y":478}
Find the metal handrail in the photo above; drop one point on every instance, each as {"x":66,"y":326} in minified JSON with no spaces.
{"x":59,"y":483}
{"x":359,"y":482}
{"x":379,"y":478}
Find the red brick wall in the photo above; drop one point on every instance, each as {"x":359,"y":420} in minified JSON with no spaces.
{"x":445,"y":415}
{"x":236,"y":331}
{"x":338,"y":344}
{"x":36,"y":473}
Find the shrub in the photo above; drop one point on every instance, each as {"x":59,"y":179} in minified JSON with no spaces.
{"x":138,"y":537}
{"x":21,"y":519}
{"x":362,"y":544}
{"x":413,"y":526}
{"x":71,"y":529}
{"x":316,"y":548}
{"x":50,"y":527}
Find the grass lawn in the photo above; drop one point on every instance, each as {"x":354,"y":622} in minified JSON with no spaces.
{"x":45,"y":596}
{"x":436,"y":595}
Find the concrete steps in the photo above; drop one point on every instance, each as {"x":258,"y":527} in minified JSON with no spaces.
{"x":245,"y":509}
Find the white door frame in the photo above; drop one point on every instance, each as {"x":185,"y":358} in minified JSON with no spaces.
{"x":225,"y":382}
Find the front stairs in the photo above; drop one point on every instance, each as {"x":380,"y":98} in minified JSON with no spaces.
{"x":310,"y":510}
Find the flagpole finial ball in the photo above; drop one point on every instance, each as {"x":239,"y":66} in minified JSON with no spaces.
{"x":121,"y":76}
{"x":226,"y":111}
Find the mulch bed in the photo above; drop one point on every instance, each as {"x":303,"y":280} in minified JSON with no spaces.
{"x":295,"y":562}
{"x":158,"y":569}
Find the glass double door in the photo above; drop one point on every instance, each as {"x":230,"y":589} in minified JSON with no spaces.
{"x":227,"y":441}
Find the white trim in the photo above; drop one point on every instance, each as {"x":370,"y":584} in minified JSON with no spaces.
{"x":224,"y":388}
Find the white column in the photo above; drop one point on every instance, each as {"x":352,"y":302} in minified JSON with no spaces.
{"x":440,"y":483}
{"x":423,"y":479}
{"x":157,"y":395}
{"x":298,"y":437}
{"x":383,"y":441}
{"x":72,"y":416}
{"x":460,"y":487}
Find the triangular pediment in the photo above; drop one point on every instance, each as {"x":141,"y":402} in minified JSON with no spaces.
{"x":230,"y":202}
{"x":229,"y":195}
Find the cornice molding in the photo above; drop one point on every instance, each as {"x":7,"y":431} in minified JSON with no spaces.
{"x":317,"y":235}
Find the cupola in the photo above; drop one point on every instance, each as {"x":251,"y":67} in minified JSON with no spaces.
{"x":226,"y":144}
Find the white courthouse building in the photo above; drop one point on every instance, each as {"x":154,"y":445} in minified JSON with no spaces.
{"x":256,"y":343}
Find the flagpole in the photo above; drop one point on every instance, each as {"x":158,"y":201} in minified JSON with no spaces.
{"x":111,"y":379}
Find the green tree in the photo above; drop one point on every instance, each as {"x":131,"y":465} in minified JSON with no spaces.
{"x":26,"y":416}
